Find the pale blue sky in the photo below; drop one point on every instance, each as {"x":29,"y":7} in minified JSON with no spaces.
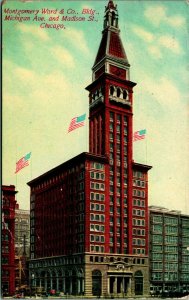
{"x":45,"y":72}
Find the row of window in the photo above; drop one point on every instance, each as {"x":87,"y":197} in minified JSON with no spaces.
{"x":97,"y":175}
{"x":5,"y":237}
{"x":118,"y":169}
{"x":138,"y":202}
{"x":139,"y":212}
{"x":139,"y":242}
{"x":166,"y":220}
{"x":97,"y":228}
{"x":97,"y":166}
{"x":118,"y":129}
{"x":97,"y":238}
{"x":138,"y":222}
{"x":4,"y":260}
{"x":118,"y":210}
{"x":139,"y":193}
{"x":118,"y":230}
{"x":5,"y":249}
{"x":118,"y":92}
{"x":139,"y":251}
{"x":118,"y":190}
{"x":118,"y":199}
{"x":97,"y":94}
{"x":168,"y":239}
{"x":97,"y":186}
{"x":99,"y":207}
{"x":118,"y":139}
{"x":117,"y":157}
{"x":138,"y":231}
{"x":117,"y":148}
{"x":118,"y":239}
{"x":117,"y":118}
{"x":97,"y":217}
{"x":139,"y":183}
{"x":138,"y":174}
{"x":97,"y":248}
{"x":118,"y":220}
{"x":168,"y":229}
{"x":96,"y":196}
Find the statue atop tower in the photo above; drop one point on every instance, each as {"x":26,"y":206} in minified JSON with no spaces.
{"x":111,"y":15}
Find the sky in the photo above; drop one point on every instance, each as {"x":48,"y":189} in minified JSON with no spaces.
{"x":45,"y":72}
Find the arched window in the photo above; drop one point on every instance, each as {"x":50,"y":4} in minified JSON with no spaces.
{"x":67,"y":282}
{"x":124,"y":94}
{"x":118,"y":92}
{"x":54,"y":287}
{"x":112,"y":90}
{"x":74,"y":282}
{"x":96,"y":283}
{"x":138,"y":283}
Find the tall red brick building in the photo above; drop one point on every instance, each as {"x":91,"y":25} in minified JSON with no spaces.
{"x":89,"y":215}
{"x":7,"y":238}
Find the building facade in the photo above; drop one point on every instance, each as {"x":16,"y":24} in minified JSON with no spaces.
{"x":22,"y":246}
{"x":169,"y":251}
{"x":89,"y":216}
{"x":8,"y":238}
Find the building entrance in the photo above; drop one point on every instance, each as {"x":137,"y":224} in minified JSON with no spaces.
{"x":119,"y":284}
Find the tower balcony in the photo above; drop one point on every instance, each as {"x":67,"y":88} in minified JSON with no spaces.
{"x":97,"y":101}
{"x":120,"y":100}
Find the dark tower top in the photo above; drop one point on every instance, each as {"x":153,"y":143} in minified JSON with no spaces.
{"x":111,"y":57}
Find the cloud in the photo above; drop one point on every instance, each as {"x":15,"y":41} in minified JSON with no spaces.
{"x":24,"y":74}
{"x":77,"y":38}
{"x":63,"y":56}
{"x":156,"y":43}
{"x":143,"y":34}
{"x":35,"y":31}
{"x":170,"y":43}
{"x":176,"y":21}
{"x":155,"y":51}
{"x":163,"y":90}
{"x":158,"y":14}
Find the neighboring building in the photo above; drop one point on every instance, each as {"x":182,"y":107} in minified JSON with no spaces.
{"x":89,"y":216}
{"x":169,"y":251}
{"x":7,"y":238}
{"x":22,"y":246}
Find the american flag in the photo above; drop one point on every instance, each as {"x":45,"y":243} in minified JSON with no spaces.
{"x":23,"y":162}
{"x":139,"y":135}
{"x":77,"y":122}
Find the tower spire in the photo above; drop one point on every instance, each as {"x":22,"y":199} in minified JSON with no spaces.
{"x":111,"y":57}
{"x":111,"y":15}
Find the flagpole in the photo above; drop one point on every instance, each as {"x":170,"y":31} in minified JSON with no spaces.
{"x":146,"y":150}
{"x":87,"y":136}
{"x":31,"y":168}
{"x":16,"y":160}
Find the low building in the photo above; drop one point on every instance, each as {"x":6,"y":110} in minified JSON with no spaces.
{"x":8,"y":238}
{"x":169,"y":251}
{"x":22,"y":246}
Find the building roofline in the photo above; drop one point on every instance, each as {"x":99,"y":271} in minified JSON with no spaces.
{"x":112,"y":77}
{"x":70,"y":162}
{"x":141,"y":166}
{"x":9,"y":188}
{"x":161,"y":209}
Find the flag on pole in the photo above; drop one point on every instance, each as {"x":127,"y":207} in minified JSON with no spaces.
{"x":23,"y":162}
{"x":139,"y":135}
{"x":77,"y":122}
